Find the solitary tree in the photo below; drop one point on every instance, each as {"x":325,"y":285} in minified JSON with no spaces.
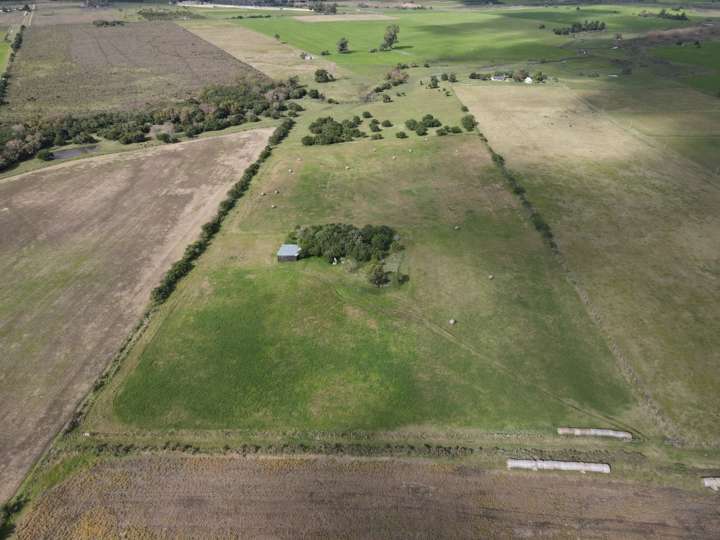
{"x":343,"y":45}
{"x":391,"y":36}
{"x":377,"y":275}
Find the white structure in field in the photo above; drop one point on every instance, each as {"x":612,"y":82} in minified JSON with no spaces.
{"x":547,"y":465}
{"x":592,"y":432}
{"x":712,"y":483}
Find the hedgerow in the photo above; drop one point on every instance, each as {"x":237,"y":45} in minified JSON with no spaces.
{"x":182,"y":267}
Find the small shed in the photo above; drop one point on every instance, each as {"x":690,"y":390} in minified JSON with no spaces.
{"x":288,"y":253}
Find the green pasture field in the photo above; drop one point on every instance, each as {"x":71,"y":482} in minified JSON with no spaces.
{"x":706,"y":57}
{"x":247,"y":343}
{"x":4,"y":54}
{"x":476,"y":38}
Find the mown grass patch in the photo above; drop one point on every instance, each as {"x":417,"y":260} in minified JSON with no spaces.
{"x":252,"y":344}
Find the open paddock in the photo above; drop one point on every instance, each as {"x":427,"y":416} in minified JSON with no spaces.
{"x":638,"y":224}
{"x":83,"y":244}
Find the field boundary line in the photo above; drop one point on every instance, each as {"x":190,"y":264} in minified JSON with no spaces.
{"x":630,"y":375}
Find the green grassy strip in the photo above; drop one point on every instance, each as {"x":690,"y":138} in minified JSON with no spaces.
{"x":181,"y":268}
{"x":15,"y":46}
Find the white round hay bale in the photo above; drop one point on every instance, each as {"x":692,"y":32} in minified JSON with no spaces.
{"x":456,"y":227}
{"x":273,"y":206}
{"x":452,"y":322}
{"x":491,"y":276}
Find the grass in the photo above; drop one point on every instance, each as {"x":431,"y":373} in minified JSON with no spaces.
{"x":249,"y":344}
{"x":706,"y":57}
{"x":474,"y":38}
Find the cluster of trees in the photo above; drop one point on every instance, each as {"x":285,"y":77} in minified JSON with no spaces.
{"x":251,"y":17}
{"x":216,"y":108}
{"x":339,"y":240}
{"x":326,"y":8}
{"x":103,"y":22}
{"x":585,"y":26}
{"x":327,"y":130}
{"x":182,"y":267}
{"x":152,"y":14}
{"x":343,"y":46}
{"x":421,"y":127}
{"x":323,"y":76}
{"x":674,"y":14}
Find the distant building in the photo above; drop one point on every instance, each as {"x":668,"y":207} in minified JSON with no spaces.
{"x":288,"y":253}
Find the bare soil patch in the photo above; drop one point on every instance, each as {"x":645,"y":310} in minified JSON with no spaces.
{"x":280,"y":497}
{"x":349,"y":17}
{"x":262,"y":52}
{"x":83,"y":244}
{"x":81,"y":67}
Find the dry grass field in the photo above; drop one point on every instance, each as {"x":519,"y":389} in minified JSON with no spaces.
{"x":274,"y":58}
{"x":316,"y":497}
{"x":81,"y":67}
{"x":82,"y":246}
{"x":638,"y":223}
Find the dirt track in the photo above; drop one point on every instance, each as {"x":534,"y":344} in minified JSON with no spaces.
{"x":82,"y":245}
{"x":164,"y":497}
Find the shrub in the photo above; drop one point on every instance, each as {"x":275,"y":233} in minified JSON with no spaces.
{"x":166,"y":138}
{"x":411,"y":124}
{"x":455,"y":129}
{"x":444,"y":76}
{"x":441,"y":131}
{"x":376,"y":136}
{"x":464,"y":109}
{"x":377,"y":275}
{"x":314,"y":93}
{"x":401,"y":135}
{"x":325,"y":53}
{"x":433,"y":82}
{"x":366,"y":114}
{"x":386,"y":98}
{"x":374,"y":127}
{"x":323,"y":76}
{"x":45,"y":155}
{"x":468,"y":122}
{"x":386,"y":123}
{"x":421,"y":130}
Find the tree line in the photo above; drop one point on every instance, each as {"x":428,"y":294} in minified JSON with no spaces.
{"x":181,"y":268}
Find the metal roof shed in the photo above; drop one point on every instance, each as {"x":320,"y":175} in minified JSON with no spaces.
{"x":288,"y":252}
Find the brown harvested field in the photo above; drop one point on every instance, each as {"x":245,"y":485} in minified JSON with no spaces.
{"x":53,"y":13}
{"x":82,"y":246}
{"x":316,"y":497}
{"x":81,"y":67}
{"x":638,"y":224}
{"x":346,"y":17}
{"x":264,"y":53}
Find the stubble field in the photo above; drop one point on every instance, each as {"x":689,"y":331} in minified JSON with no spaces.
{"x":82,"y":246}
{"x":320,"y":497}
{"x":81,"y":67}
